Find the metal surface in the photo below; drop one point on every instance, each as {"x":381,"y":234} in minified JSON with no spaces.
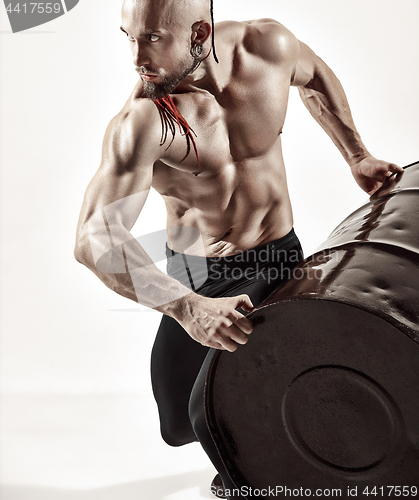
{"x":371,"y":259}
{"x":326,"y":392}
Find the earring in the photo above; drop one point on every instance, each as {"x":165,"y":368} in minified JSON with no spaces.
{"x":197,"y":49}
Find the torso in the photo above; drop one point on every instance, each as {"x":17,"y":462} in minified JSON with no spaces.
{"x":238,"y":198}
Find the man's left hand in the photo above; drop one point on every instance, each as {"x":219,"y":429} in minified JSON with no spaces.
{"x":371,"y":173}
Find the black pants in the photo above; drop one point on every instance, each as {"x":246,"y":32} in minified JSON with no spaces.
{"x":177,"y":359}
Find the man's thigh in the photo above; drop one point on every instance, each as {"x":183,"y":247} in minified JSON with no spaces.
{"x":175,"y":363}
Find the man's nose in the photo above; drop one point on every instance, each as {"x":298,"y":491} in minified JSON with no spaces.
{"x":140,"y":56}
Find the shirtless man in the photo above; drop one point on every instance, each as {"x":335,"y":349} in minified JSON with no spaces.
{"x":232,"y":193}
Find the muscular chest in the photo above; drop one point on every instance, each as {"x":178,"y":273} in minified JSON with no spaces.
{"x":241,"y":122}
{"x":233,"y":129}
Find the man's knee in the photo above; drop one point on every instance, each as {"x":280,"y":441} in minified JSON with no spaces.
{"x":175,"y":435}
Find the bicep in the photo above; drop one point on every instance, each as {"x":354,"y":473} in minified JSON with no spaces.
{"x":121,"y":196}
{"x":306,"y":66}
{"x":120,"y":187}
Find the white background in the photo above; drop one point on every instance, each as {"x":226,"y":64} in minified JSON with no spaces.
{"x":76,"y":409}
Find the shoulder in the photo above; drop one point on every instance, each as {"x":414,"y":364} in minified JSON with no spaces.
{"x":137,"y":120}
{"x":264,"y":38}
{"x":134,"y":133}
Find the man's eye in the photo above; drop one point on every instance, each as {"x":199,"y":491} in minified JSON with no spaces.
{"x":153,"y":38}
{"x":130,"y":38}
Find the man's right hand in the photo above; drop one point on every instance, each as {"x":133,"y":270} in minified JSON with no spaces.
{"x":214,"y":322}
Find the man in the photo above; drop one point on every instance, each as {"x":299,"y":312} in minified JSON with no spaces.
{"x":222,"y":178}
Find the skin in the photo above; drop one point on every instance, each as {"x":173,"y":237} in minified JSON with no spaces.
{"x":238,"y":198}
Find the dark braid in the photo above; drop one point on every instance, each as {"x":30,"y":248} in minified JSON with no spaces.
{"x":212,"y":34}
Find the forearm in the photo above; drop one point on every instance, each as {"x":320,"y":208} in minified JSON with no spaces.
{"x":325,"y":98}
{"x":211,"y":322}
{"x":129,"y":271}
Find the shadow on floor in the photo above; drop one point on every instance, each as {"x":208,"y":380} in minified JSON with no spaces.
{"x":149,"y":489}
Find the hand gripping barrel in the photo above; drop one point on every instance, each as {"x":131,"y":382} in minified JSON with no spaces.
{"x":326,"y":392}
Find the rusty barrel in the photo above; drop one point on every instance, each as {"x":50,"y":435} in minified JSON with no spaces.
{"x":326,"y":392}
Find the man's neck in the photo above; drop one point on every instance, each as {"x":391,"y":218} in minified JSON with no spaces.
{"x":206,"y":76}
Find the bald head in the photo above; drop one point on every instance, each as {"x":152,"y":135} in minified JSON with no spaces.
{"x":171,"y":14}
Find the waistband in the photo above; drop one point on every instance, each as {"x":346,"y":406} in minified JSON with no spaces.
{"x":195,"y":270}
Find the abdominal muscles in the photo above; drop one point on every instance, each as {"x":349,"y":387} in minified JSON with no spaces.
{"x":239,"y":207}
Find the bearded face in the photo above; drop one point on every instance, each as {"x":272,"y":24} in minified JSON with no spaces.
{"x":160,"y":37}
{"x":164,"y":84}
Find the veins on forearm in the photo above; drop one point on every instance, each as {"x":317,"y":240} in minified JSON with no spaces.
{"x":325,"y":99}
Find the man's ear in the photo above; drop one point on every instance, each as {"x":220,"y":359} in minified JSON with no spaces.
{"x":201,"y":31}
